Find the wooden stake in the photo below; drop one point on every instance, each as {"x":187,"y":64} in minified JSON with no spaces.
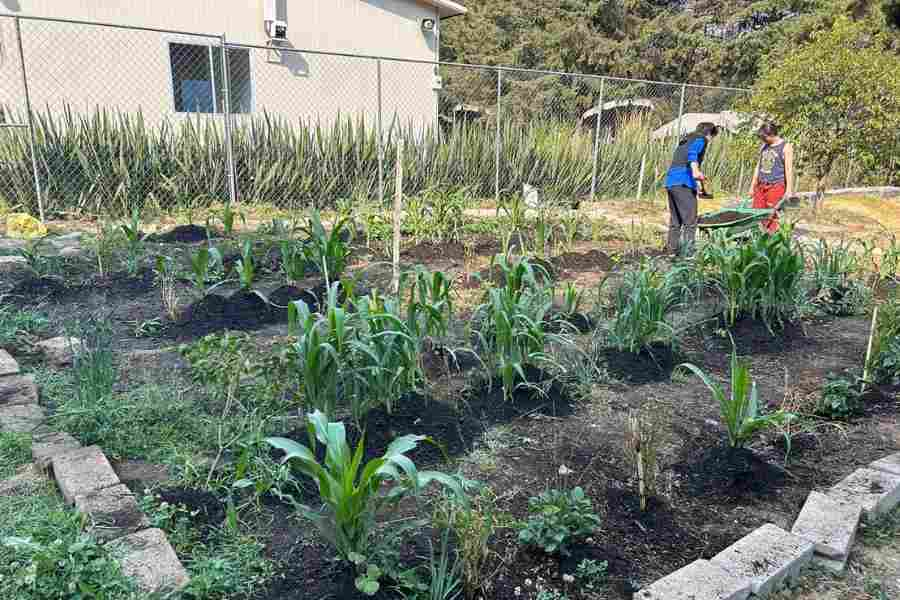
{"x":641,"y":178}
{"x":639,"y":458}
{"x":865,"y":376}
{"x":398,"y":214}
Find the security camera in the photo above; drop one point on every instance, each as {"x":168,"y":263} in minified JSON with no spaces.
{"x":429,"y":25}
{"x":277,"y":30}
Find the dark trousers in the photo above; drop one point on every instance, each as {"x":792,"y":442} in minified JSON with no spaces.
{"x":682,"y":218}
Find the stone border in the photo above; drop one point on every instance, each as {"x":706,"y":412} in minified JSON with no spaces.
{"x":86,"y":480}
{"x":768,"y":558}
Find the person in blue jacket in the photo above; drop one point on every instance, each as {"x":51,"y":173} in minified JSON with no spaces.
{"x":682,"y":187}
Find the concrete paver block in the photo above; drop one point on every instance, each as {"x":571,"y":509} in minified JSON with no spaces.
{"x":21,"y":418}
{"x":27,"y":479}
{"x":876,"y":492}
{"x":768,"y":557}
{"x":43,"y":450}
{"x":59,"y":351}
{"x":148,"y":557}
{"x":831,"y":525}
{"x":8,"y":365}
{"x":113,"y":512}
{"x":699,"y":580}
{"x":83,"y":471}
{"x":18,"y":389}
{"x":888,"y":464}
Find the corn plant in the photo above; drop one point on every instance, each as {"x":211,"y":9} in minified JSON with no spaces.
{"x":133,"y":239}
{"x":513,"y":322}
{"x":293,"y":261}
{"x":352,"y":493}
{"x":758,"y":278}
{"x":571,"y":300}
{"x":642,"y":305}
{"x":322,"y":348}
{"x":739,"y":409}
{"x":246,"y":269}
{"x":327,"y":250}
{"x":229,"y":216}
{"x":385,"y":355}
{"x":203,"y":262}
{"x":834,"y":278}
{"x":429,"y":306}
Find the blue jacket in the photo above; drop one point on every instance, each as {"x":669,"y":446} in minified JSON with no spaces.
{"x":680,"y":171}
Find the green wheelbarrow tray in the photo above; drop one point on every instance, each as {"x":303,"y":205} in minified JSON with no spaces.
{"x":738,"y":217}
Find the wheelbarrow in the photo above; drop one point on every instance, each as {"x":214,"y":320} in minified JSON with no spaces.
{"x":736,"y":220}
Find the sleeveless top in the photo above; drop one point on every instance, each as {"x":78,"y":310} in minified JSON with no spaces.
{"x":771,"y":164}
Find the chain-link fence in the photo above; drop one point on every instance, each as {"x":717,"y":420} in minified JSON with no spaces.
{"x":98,"y":118}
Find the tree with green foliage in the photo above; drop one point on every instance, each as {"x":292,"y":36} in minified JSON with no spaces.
{"x":838,"y":95}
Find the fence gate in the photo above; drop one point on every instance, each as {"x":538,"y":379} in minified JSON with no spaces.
{"x":19,"y":181}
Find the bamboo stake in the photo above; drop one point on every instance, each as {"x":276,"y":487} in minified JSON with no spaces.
{"x":865,"y":376}
{"x":398,"y":205}
{"x":640,"y":193}
{"x":639,"y":458}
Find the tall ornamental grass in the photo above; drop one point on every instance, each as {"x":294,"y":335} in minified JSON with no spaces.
{"x":113,"y":162}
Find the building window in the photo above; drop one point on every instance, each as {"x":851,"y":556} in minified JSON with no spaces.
{"x":198,"y":82}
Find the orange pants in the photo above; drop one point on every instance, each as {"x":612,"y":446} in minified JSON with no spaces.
{"x":768,"y":195}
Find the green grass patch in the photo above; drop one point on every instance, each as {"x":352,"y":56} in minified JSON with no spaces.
{"x":15,"y":450}
{"x":16,"y":323}
{"x":45,"y":555}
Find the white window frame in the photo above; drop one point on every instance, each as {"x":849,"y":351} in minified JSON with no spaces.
{"x":212,"y":45}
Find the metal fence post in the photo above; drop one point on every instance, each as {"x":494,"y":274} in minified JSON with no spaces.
{"x":380,"y":135}
{"x":680,"y":115}
{"x":31,"y":143}
{"x":229,"y":147}
{"x":497,"y":140}
{"x":596,"y":156}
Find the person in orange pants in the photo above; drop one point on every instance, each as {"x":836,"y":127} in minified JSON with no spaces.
{"x":774,"y":175}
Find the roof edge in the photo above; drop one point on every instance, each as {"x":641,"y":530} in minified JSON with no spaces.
{"x":447,"y":8}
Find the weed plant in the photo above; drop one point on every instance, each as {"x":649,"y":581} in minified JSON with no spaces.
{"x":18,"y":326}
{"x":93,"y":364}
{"x":840,"y":397}
{"x":558,"y":517}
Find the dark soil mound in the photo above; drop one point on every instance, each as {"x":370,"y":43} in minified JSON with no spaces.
{"x":124,"y":285}
{"x":579,"y":321}
{"x":722,"y":218}
{"x":751,"y":336}
{"x":648,"y":366}
{"x":243,"y":311}
{"x":286,"y":294}
{"x":729,"y":472}
{"x":207,"y":512}
{"x":37,"y":289}
{"x":594,"y":260}
{"x":183,"y":234}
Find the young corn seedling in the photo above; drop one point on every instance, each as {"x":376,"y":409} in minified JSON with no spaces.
{"x":429,"y":307}
{"x":229,"y":216}
{"x":133,"y":239}
{"x":327,"y":250}
{"x":293,"y":261}
{"x":739,"y":409}
{"x":203,"y":262}
{"x":245,"y":267}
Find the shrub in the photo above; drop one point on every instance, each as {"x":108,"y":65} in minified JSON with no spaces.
{"x":739,"y":410}
{"x":353,"y":494}
{"x":840,"y":397}
{"x":558,"y":517}
{"x":758,"y":278}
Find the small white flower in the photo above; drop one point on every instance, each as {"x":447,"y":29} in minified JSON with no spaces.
{"x":564,"y":470}
{"x":568,"y":578}
{"x":527,"y":583}
{"x":517,"y":592}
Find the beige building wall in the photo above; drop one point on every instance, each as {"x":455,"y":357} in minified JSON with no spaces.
{"x":89,"y":67}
